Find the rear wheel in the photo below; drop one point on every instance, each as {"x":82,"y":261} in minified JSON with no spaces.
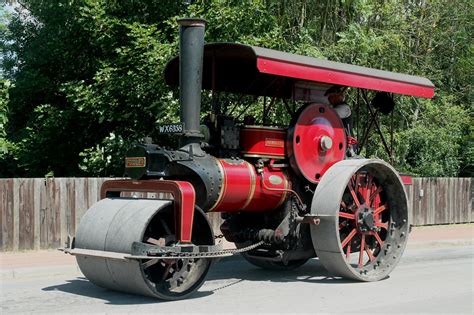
{"x":364,"y":219}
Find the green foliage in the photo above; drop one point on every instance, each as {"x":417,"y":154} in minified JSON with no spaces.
{"x":4,"y":86}
{"x":433,"y":144}
{"x":105,"y":158}
{"x":86,"y":76}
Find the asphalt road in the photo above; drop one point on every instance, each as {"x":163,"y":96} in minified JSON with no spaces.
{"x":428,"y":280}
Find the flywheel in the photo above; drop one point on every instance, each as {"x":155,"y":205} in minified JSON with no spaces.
{"x":364,"y":224}
{"x":315,"y":141}
{"x":113,"y":225}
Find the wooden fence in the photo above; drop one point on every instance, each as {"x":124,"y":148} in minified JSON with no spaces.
{"x":40,"y":213}
{"x":439,"y":200}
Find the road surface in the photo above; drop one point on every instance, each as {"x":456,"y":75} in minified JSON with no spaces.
{"x":435,"y":279}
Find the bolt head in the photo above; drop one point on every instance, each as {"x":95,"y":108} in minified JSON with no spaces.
{"x":325,"y":143}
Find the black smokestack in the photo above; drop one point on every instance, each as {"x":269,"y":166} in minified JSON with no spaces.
{"x":191,"y":51}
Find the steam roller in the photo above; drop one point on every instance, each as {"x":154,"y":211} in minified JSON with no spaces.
{"x":285,"y":193}
{"x":113,"y":225}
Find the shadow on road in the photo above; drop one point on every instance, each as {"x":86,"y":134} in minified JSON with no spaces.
{"x":238,"y":268}
{"x":82,"y":286}
{"x":223,"y":274}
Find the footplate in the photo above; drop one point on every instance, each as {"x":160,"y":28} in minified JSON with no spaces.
{"x":147,"y":251}
{"x":141,"y":250}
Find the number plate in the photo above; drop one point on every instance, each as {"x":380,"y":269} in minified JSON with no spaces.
{"x":171,"y":128}
{"x":131,"y":162}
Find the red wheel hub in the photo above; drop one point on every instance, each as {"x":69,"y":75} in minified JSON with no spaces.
{"x":316,"y":141}
{"x":361,"y":214}
{"x":365,"y":220}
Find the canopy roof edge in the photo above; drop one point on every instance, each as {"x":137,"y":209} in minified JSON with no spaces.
{"x":255,"y":70}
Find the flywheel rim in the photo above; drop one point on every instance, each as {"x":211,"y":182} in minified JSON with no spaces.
{"x":360,"y":240}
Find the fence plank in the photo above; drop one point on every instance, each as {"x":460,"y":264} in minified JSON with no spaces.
{"x":44,"y":214}
{"x":71,"y":214}
{"x":63,"y":208}
{"x":439,"y":206}
{"x":450,"y":202}
{"x":431,"y":186}
{"x":417,"y":201}
{"x":80,"y":199}
{"x":467,"y":195}
{"x":456,"y":204}
{"x":92,"y":193}
{"x":409,"y":191}
{"x":6,"y":204}
{"x":26,"y":197}
{"x":465,"y":191}
{"x":3,"y":214}
{"x":16,"y":213}
{"x":53,"y":213}
{"x":470,"y":192}
{"x":37,"y":187}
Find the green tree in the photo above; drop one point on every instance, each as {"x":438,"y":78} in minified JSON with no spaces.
{"x":87,"y":75}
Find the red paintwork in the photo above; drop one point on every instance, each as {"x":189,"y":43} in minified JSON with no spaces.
{"x":406,"y":179}
{"x":364,"y":191}
{"x":269,"y":194}
{"x":237,"y":185}
{"x":262,"y":142}
{"x":244,"y":190}
{"x":304,"y":141}
{"x":183,"y":195}
{"x":332,"y":76}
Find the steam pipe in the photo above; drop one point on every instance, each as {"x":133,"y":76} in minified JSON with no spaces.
{"x":191,"y":52}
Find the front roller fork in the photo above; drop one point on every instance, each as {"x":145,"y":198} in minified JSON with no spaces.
{"x":182,"y":194}
{"x":109,"y":233}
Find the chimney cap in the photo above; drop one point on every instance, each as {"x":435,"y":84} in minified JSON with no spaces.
{"x":192,"y":22}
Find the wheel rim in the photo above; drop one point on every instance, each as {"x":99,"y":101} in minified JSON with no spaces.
{"x":364,"y":213}
{"x":176,"y":278}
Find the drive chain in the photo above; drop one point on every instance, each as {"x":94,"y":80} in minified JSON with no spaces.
{"x":214,"y":254}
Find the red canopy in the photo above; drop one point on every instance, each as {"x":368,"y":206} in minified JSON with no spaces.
{"x":259,"y":71}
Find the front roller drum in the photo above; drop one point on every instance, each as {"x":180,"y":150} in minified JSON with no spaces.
{"x":364,"y":224}
{"x":112,"y":225}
